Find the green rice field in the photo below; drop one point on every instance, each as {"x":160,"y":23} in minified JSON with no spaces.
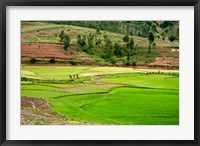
{"x":106,"y":95}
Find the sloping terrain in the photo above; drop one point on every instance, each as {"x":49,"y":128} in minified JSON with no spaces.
{"x":40,"y":40}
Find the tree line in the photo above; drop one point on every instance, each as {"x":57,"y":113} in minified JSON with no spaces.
{"x":167,"y":29}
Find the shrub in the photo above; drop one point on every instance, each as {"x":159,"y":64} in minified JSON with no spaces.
{"x":134,"y":63}
{"x":126,"y":38}
{"x":146,"y":61}
{"x":52,"y":60}
{"x":72,"y":62}
{"x":172,"y":38}
{"x":112,"y":60}
{"x":33,"y":60}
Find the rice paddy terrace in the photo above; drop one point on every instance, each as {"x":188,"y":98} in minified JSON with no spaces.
{"x":105,"y":95}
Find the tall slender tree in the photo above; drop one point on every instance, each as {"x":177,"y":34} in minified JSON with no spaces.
{"x":66,"y":42}
{"x":151,"y":39}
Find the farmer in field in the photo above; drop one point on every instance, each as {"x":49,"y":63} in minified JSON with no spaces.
{"x":70,"y":76}
{"x":74,"y":76}
{"x":77,"y":76}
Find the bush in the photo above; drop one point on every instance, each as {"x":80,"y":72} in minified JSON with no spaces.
{"x":126,"y":38}
{"x":146,"y":61}
{"x":134,"y":63}
{"x":172,"y":38}
{"x":73,"y":62}
{"x":33,"y":60}
{"x":127,"y":63}
{"x":52,"y":60}
{"x":112,"y":60}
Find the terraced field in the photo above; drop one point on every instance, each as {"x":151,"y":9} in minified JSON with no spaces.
{"x":105,"y":95}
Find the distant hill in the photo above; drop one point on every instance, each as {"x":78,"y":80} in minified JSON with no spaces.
{"x":134,"y":28}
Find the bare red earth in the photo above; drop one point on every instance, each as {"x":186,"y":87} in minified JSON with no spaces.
{"x":43,"y":51}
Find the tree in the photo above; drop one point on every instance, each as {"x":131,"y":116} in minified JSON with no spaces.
{"x":151,"y":39}
{"x":66,"y":42}
{"x":129,"y":50}
{"x":108,"y":47}
{"x":90,"y":41}
{"x":81,"y":40}
{"x":153,"y":28}
{"x":126,"y":38}
{"x":165,"y":24}
{"x":83,"y":43}
{"x":61,"y":35}
{"x":172,"y":38}
{"x":98,"y":30}
{"x":117,"y":50}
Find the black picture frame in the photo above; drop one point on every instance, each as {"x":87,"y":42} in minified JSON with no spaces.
{"x":5,"y":3}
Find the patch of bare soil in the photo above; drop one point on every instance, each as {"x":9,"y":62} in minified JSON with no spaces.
{"x":35,"y":111}
{"x":166,"y":61}
{"x":163,"y":49}
{"x":46,"y":51}
{"x":43,"y":51}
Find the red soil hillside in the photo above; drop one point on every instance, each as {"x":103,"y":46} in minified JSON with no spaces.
{"x":45,"y":51}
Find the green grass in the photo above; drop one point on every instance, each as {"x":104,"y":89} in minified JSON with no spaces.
{"x":41,"y":91}
{"x":122,"y":106}
{"x":40,"y":27}
{"x":42,"y":94}
{"x":53,"y":72}
{"x":150,"y":81}
{"x":124,"y":96}
{"x":62,"y":72}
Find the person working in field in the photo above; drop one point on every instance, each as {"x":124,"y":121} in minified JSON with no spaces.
{"x":74,"y":76}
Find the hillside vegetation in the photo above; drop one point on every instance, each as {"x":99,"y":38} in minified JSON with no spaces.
{"x":100,"y":43}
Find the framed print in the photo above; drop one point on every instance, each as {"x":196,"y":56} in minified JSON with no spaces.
{"x":99,"y":72}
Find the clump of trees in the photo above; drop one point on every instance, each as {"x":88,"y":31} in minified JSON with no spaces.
{"x":106,"y":49}
{"x":101,"y":45}
{"x":130,"y":48}
{"x":65,"y":40}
